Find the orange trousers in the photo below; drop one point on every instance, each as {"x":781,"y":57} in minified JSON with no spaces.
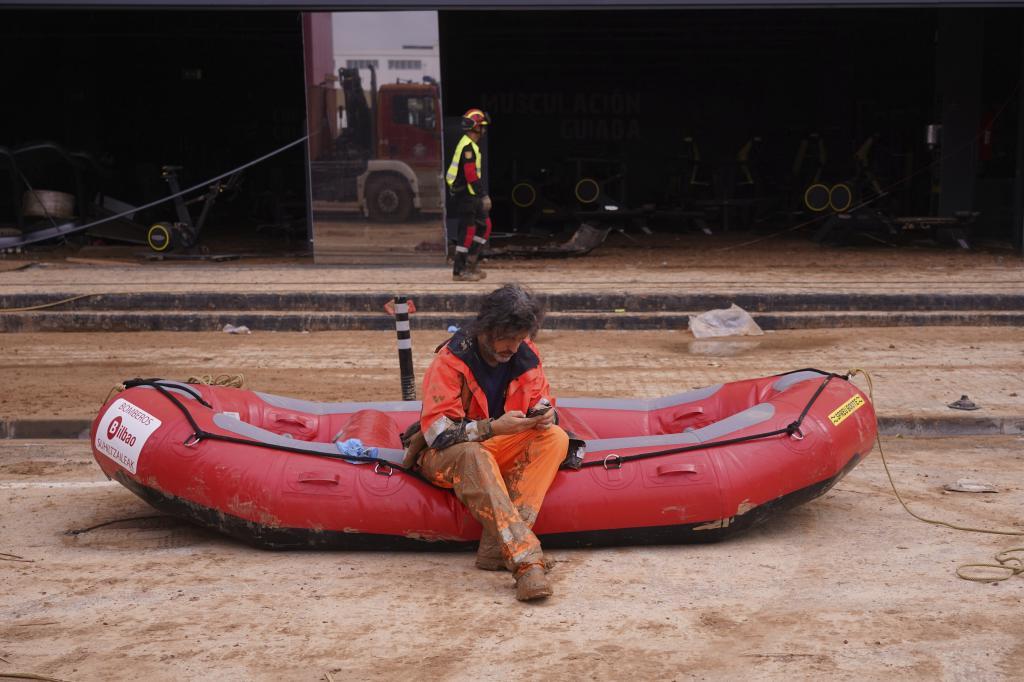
{"x":502,"y":481}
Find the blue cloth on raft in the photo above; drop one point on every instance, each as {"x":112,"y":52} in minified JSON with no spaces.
{"x":354,"y":448}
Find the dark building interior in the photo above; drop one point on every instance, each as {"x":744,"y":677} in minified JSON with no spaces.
{"x":656,"y":105}
{"x":206,"y":91}
{"x":633,"y":88}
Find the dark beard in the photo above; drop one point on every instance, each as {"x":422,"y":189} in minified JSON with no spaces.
{"x":488,"y":353}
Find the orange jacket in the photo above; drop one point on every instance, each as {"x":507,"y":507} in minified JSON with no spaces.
{"x":454,"y":405}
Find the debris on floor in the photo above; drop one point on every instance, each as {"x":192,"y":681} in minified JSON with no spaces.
{"x":968,"y":485}
{"x":964,"y":403}
{"x":731,"y":321}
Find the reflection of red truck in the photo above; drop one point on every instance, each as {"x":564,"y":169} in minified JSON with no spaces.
{"x":386,"y":155}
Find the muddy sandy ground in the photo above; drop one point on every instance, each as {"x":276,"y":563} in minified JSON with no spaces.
{"x":846,"y":587}
{"x":917,"y":371}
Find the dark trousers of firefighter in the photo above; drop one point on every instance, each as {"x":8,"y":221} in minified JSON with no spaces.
{"x":502,"y":481}
{"x":474,"y":231}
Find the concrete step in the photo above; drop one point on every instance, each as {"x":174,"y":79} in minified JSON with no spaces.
{"x":292,"y":321}
{"x":454,"y":302}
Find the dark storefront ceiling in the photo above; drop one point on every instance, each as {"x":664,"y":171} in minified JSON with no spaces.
{"x":378,"y":5}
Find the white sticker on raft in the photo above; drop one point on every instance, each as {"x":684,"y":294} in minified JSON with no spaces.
{"x":123,"y":430}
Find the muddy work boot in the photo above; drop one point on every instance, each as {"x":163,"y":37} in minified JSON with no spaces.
{"x":533,"y":584}
{"x":461,"y":270}
{"x":474,"y":266}
{"x":467,"y":276}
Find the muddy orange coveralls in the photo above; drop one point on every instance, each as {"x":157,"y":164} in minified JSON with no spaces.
{"x":502,"y":480}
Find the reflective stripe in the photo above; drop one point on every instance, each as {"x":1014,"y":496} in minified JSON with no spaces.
{"x":462,"y":249}
{"x":401,"y":308}
{"x":439,"y":426}
{"x":402,"y":326}
{"x":404,"y":343}
{"x":479,"y":240}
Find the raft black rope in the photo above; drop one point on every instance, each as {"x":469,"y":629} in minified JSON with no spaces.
{"x":789,"y":430}
{"x":199,"y":434}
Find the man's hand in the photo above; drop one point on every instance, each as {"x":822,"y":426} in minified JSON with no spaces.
{"x":546,"y":420}
{"x":515,"y":421}
{"x":486,"y":202}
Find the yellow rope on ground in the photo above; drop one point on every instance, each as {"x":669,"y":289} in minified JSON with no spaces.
{"x":45,"y":305}
{"x":1004,"y":562}
{"x":230,"y":380}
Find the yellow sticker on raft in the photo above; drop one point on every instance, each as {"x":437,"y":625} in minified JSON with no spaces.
{"x":846,"y":409}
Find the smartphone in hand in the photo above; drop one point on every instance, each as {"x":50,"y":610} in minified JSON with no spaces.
{"x":540,"y":408}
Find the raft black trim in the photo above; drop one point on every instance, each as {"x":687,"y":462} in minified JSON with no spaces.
{"x":789,"y":430}
{"x":269,"y":537}
{"x":198,"y":434}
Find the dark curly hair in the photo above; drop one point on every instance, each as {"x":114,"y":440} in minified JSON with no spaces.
{"x":511,"y":308}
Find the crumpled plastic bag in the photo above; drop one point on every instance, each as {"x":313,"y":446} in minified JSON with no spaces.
{"x":232,"y":329}
{"x":731,"y":321}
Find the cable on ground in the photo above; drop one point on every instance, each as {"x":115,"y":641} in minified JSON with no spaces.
{"x":1011,"y":565}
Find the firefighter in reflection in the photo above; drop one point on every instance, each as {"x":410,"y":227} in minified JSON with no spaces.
{"x":473,"y":205}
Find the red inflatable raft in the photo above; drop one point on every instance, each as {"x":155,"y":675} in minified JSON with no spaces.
{"x":692,"y":467}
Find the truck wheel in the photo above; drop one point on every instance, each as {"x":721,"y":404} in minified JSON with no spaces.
{"x":388,"y":199}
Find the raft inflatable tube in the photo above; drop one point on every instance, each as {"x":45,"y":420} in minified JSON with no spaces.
{"x":691,"y":467}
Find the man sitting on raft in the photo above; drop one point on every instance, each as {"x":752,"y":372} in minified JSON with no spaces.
{"x":489,"y":423}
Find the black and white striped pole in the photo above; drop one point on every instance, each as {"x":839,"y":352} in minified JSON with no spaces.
{"x":404,"y":348}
